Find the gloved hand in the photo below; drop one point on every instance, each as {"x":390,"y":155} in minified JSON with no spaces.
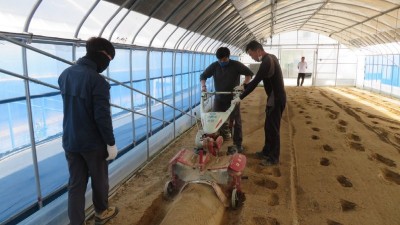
{"x":236,"y":100}
{"x":112,"y":152}
{"x":238,"y":88}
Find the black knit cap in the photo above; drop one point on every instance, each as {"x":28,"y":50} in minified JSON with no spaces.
{"x":96,"y":44}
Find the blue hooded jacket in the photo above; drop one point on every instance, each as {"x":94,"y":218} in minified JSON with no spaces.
{"x":87,"y":124}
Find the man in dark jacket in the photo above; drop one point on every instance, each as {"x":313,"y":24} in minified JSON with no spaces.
{"x":226,"y":74}
{"x":271,"y":74}
{"x":88,"y":138}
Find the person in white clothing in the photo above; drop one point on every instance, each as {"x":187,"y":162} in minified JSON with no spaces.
{"x":302,"y":66}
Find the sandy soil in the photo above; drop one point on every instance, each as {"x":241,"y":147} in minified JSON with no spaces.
{"x":339,"y":165}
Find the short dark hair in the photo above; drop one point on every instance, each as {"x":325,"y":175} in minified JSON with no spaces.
{"x":96,"y":44}
{"x":223,"y":52}
{"x":254,"y":45}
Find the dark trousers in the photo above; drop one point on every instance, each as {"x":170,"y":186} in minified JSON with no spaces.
{"x":300,"y":75}
{"x":272,"y":125}
{"x":222,"y":106}
{"x":81,"y":166}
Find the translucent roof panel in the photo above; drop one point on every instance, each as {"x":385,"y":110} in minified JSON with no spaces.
{"x":190,"y":43}
{"x":148,"y":32}
{"x":162,"y":36}
{"x":107,"y":32}
{"x":356,"y":23}
{"x":13,"y":14}
{"x":129,"y":27}
{"x":214,"y":45}
{"x":185,"y":38}
{"x":97,"y":19}
{"x":197,"y":42}
{"x":203,"y":43}
{"x":53,"y":18}
{"x":174,"y":38}
{"x":353,"y":23}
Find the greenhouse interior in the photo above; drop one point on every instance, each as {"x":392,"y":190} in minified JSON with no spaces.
{"x":162,"y":47}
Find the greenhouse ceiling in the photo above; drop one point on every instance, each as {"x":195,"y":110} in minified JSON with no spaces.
{"x":200,"y":25}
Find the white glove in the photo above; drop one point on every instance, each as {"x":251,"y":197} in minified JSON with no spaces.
{"x":112,"y":152}
{"x":238,"y":88}
{"x":236,"y":100}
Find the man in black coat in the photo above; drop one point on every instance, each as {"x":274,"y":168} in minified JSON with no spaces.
{"x":88,"y":138}
{"x":271,"y":74}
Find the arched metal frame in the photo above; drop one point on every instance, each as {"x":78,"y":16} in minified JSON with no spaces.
{"x":341,"y":21}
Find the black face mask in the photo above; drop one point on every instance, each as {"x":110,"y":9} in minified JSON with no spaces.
{"x":102,"y":61}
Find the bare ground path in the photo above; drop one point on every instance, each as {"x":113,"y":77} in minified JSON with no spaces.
{"x":340,"y":156}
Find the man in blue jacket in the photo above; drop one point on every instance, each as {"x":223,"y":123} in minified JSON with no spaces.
{"x":226,"y":73}
{"x":88,"y":138}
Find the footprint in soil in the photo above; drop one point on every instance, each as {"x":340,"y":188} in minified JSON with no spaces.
{"x":273,"y":200}
{"x":258,"y":220}
{"x":347,"y":205}
{"x":397,"y":137}
{"x":357,"y":146}
{"x":276,"y":172}
{"x":308,"y":122}
{"x":340,"y":128}
{"x":332,"y":113}
{"x":332,"y":222}
{"x":270,"y":184}
{"x":324,"y":161}
{"x":327,"y":148}
{"x":354,"y":137}
{"x":344,"y":181}
{"x":332,"y":116}
{"x":314,"y":137}
{"x":391,"y":176}
{"x":343,"y":123}
{"x":315,"y":129}
{"x":383,"y":159}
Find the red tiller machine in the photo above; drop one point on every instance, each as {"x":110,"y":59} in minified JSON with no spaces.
{"x":204,"y":164}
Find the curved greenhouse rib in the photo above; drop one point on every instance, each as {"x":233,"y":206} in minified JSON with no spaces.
{"x":113,"y":16}
{"x":366,"y":20}
{"x":218,"y":10}
{"x":85,"y":17}
{"x":31,"y":14}
{"x":183,"y":19}
{"x":169,"y":18}
{"x":131,"y":8}
{"x":158,"y":7}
